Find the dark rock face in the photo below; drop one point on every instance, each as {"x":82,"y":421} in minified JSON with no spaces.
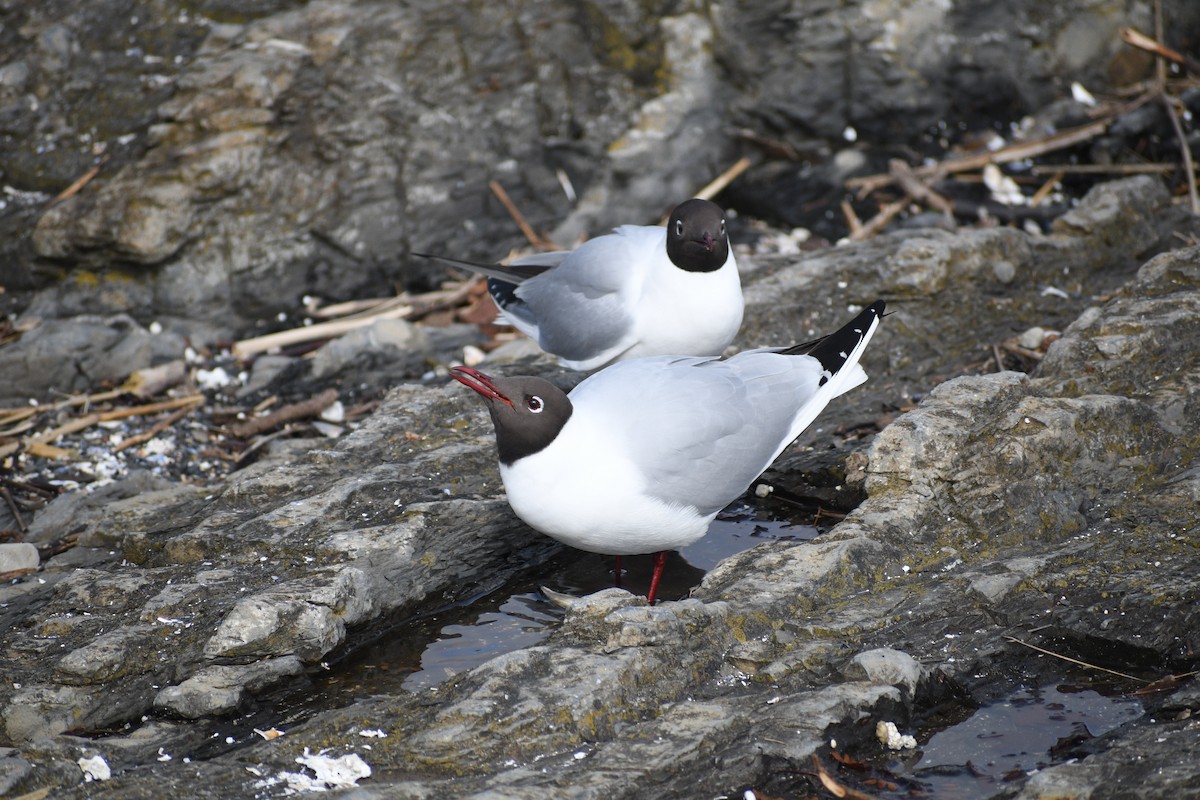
{"x":311,"y":146}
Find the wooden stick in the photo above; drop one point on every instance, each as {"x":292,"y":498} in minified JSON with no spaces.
{"x":852,"y":221}
{"x":40,"y":445}
{"x":12,"y":507}
{"x":724,"y":179}
{"x":1135,"y":38}
{"x":834,"y":787}
{"x":999,"y":359}
{"x":1188,"y":166}
{"x":917,"y":189}
{"x":348,"y":307}
{"x":1043,"y":650}
{"x":886,"y":214}
{"x":718,"y":183}
{"x":9,"y":433}
{"x":452,"y":292}
{"x":156,"y":428}
{"x":1046,"y":188}
{"x":12,"y":575}
{"x":39,"y":449}
{"x":1103,"y":169}
{"x":1160,"y":65}
{"x":78,"y":400}
{"x":88,"y":420}
{"x":151,"y":408}
{"x":322,"y":330}
{"x":80,"y":182}
{"x":1013,"y":152}
{"x":151,"y":381}
{"x":530,"y":234}
{"x":302,"y":410}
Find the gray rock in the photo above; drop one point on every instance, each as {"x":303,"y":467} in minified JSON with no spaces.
{"x":238,"y":581}
{"x":65,"y":356}
{"x":18,"y":556}
{"x":1125,"y":770}
{"x":307,"y":618}
{"x":13,"y":76}
{"x":266,"y":369}
{"x":218,"y":690}
{"x":84,"y":513}
{"x":58,"y":45}
{"x":886,"y":666}
{"x":13,"y":769}
{"x":1032,"y":338}
{"x":382,"y":341}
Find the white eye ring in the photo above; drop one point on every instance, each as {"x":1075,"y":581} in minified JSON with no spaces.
{"x":679,"y":227}
{"x":535,"y":404}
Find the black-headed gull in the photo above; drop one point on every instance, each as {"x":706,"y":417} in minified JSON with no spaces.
{"x":643,"y":454}
{"x":642,"y":290}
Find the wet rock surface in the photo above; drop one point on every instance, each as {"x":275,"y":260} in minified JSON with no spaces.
{"x":1056,"y":507}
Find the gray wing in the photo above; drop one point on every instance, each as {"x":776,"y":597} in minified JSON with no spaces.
{"x":582,"y":307}
{"x":704,"y":429}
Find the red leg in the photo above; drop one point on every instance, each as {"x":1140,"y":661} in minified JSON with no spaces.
{"x":617,"y":571}
{"x":660,"y":561}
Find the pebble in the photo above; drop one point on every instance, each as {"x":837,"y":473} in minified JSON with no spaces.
{"x":1032,"y":338}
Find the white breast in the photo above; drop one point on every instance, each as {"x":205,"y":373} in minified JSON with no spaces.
{"x":688,"y":313}
{"x":582,"y":491}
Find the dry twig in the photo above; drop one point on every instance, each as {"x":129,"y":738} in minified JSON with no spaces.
{"x":875,"y":224}
{"x":1136,"y":38}
{"x":40,"y":445}
{"x":834,"y":787}
{"x":533,"y":237}
{"x":1102,"y":169}
{"x":1046,"y":188}
{"x":1189,"y":168}
{"x":1018,"y":151}
{"x":79,"y":183}
{"x":724,"y":179}
{"x":153,"y":381}
{"x":404,"y":306}
{"x":917,"y":189}
{"x":322,"y":330}
{"x":12,"y":507}
{"x":852,"y":221}
{"x":1075,"y":661}
{"x":11,"y":415}
{"x":157,"y":428}
{"x":302,"y":410}
{"x":62,"y":544}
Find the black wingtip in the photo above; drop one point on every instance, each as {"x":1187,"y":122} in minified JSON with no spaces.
{"x":834,"y":350}
{"x":454,"y":262}
{"x":503,"y":293}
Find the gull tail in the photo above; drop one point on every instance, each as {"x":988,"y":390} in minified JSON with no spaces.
{"x":838,"y":353}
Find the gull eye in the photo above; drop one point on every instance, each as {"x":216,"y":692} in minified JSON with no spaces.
{"x":535,"y":404}
{"x":679,"y":227}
